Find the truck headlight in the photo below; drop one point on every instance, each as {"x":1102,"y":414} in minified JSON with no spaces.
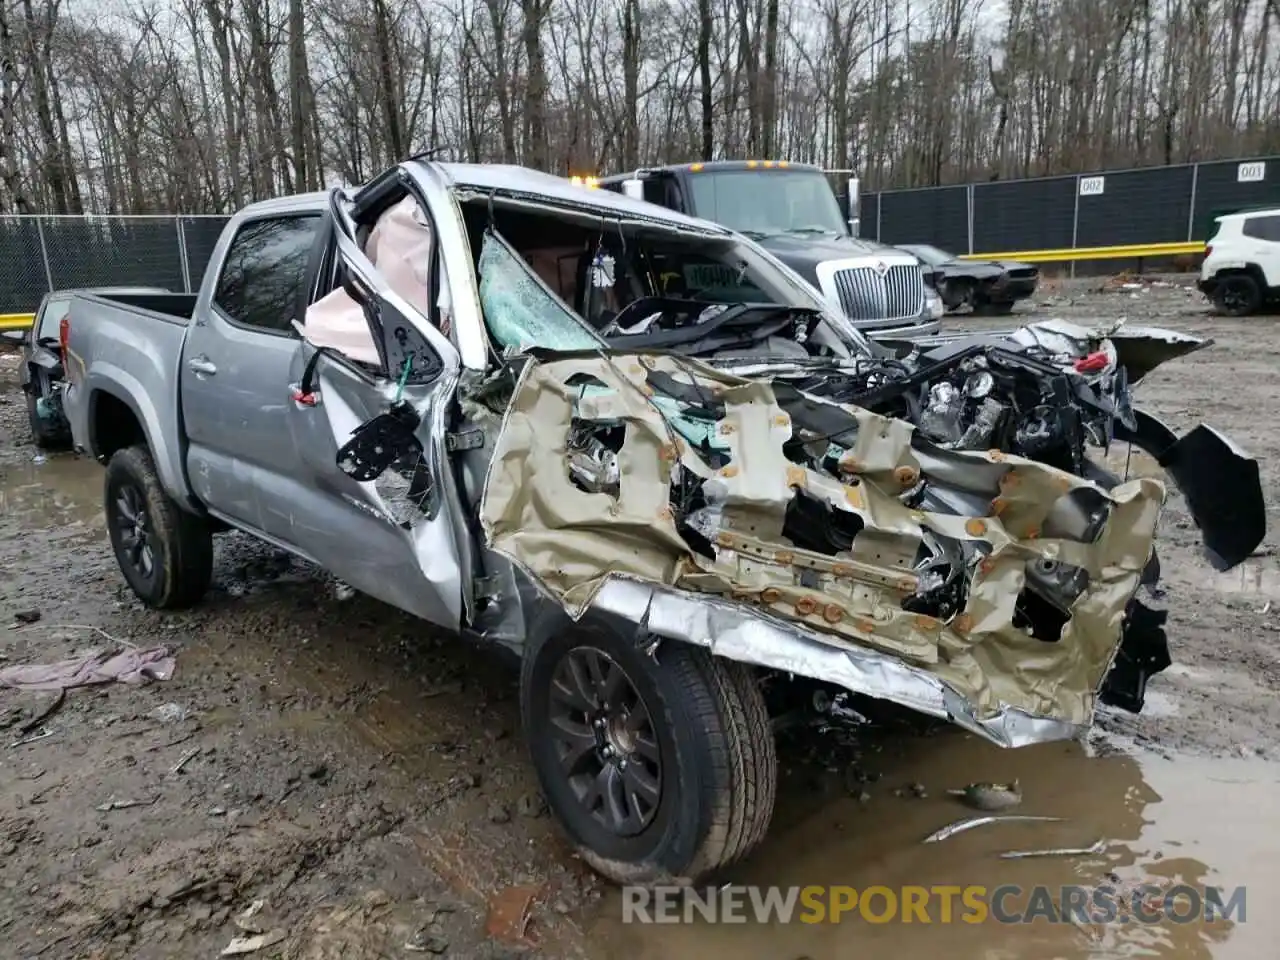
{"x":933,"y":303}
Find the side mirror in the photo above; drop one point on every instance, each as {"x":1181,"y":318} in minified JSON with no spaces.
{"x":14,"y":336}
{"x":633,"y":188}
{"x":380,"y":442}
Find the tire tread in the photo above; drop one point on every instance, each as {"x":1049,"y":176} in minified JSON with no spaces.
{"x":187,"y":538}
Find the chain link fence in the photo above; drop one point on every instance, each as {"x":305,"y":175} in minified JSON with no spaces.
{"x":1174,"y":204}
{"x":43,"y":253}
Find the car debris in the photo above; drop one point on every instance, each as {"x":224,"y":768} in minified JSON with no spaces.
{"x":252,"y":944}
{"x":1099,"y":847}
{"x":245,"y":921}
{"x":124,"y":804}
{"x":184,"y":760}
{"x":43,"y":735}
{"x":990,"y":796}
{"x":960,"y":826}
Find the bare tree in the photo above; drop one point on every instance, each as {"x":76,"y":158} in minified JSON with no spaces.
{"x":202,"y":105}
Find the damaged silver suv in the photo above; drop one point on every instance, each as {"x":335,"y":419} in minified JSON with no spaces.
{"x":639,"y":451}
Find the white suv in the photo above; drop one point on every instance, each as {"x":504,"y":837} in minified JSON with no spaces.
{"x":1241,"y":268}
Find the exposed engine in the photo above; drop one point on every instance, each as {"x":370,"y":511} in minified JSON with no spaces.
{"x":1022,"y":400}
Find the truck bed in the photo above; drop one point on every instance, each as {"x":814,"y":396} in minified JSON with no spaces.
{"x":171,"y":307}
{"x":132,"y":343}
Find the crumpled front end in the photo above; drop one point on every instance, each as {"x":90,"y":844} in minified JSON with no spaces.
{"x":818,"y":539}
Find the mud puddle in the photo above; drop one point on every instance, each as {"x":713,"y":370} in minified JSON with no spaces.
{"x":59,"y":490}
{"x":1199,"y":822}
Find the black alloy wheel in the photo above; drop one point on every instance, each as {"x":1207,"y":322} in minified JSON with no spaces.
{"x":134,"y":531}
{"x":605,"y":738}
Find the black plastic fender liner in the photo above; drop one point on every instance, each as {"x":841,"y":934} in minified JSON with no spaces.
{"x":1220,"y":482}
{"x":1144,"y":652}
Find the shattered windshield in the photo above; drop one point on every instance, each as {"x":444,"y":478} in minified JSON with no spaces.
{"x":521,"y":311}
{"x":765,"y":203}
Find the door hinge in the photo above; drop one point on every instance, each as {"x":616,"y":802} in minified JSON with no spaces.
{"x":466,"y":440}
{"x":486,"y":588}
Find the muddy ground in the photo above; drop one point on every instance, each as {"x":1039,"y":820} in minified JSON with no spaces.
{"x":361,"y":782}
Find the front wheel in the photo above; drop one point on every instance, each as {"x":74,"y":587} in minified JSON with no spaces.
{"x":164,"y":552}
{"x":659,"y":768}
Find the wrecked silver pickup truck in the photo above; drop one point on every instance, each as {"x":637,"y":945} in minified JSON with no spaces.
{"x":639,"y":451}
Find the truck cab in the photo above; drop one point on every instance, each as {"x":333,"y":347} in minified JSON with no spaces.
{"x":791,"y":210}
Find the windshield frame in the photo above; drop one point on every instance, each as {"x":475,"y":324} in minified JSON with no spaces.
{"x":726,"y":195}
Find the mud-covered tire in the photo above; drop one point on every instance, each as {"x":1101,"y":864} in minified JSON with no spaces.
{"x":1237,"y":295}
{"x":718,"y":757}
{"x":181,"y":544}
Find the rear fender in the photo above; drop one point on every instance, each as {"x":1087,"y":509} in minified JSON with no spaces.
{"x":107,"y":379}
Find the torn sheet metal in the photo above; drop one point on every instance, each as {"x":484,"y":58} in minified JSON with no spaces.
{"x":844,"y":615}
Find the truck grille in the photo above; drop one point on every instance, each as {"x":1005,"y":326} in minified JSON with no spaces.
{"x":865,"y":294}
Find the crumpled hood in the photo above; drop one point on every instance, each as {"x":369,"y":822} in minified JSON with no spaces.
{"x":851,"y":604}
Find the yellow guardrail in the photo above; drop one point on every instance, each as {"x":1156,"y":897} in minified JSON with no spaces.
{"x":16,"y":321}
{"x":1130,"y":252}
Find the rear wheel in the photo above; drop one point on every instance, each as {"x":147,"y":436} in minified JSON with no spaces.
{"x":659,"y":768}
{"x":164,"y":552}
{"x":1237,"y":295}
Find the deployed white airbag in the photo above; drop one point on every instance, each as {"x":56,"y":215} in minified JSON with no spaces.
{"x":400,"y":247}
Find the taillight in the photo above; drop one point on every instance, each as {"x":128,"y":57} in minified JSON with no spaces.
{"x":1208,"y":249}
{"x":1092,"y":363}
{"x":64,"y":333}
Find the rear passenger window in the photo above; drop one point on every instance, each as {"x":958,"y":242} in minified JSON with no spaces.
{"x":264,"y":270}
{"x":1263,"y":228}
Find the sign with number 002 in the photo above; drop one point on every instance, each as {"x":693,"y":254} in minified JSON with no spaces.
{"x":1092,"y":186}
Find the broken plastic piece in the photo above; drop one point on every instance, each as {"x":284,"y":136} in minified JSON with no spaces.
{"x":243,"y":945}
